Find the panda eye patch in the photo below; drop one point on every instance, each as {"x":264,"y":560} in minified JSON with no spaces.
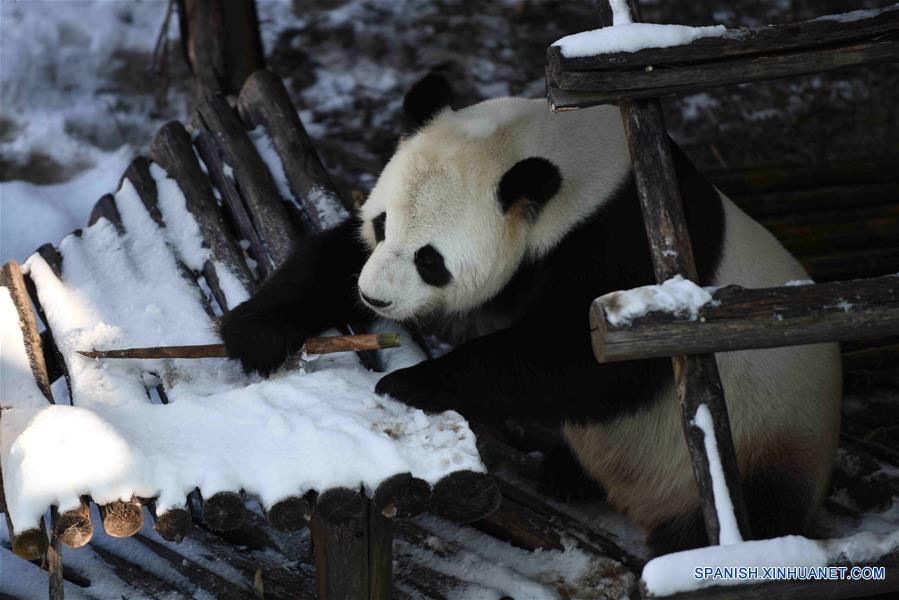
{"x":431,"y":266}
{"x":378,"y":223}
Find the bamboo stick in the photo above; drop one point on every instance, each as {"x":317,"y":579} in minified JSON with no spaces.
{"x":315,"y":345}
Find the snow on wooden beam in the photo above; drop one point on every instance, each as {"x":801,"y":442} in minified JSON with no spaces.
{"x":696,"y":376}
{"x":739,"y":56}
{"x":736,"y":318}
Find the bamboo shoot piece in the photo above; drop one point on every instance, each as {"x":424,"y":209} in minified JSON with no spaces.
{"x":315,"y":345}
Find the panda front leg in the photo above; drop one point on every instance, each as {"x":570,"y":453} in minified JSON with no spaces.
{"x":508,"y":374}
{"x":313,"y":290}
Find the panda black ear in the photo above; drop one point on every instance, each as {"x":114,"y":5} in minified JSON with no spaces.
{"x":426,"y":98}
{"x":530,"y":182}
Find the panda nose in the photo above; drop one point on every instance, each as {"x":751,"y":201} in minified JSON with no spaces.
{"x":376,"y":303}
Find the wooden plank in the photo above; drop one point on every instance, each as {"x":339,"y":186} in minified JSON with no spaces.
{"x":263,"y":201}
{"x":380,"y":554}
{"x":582,"y":88}
{"x":739,"y":42}
{"x":12,"y":279}
{"x":738,"y":319}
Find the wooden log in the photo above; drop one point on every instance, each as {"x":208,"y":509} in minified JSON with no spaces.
{"x":173,"y":525}
{"x":765,"y":53}
{"x":520,"y":527}
{"x":122,"y":518}
{"x":696,"y":377}
{"x":12,"y":279}
{"x":74,"y":527}
{"x":263,"y":201}
{"x":54,"y":560}
{"x":739,"y":319}
{"x":380,"y":554}
{"x":223,"y":511}
{"x":340,"y":540}
{"x":588,"y":88}
{"x":291,"y":514}
{"x":264,"y":102}
{"x":770,"y":205}
{"x":222,"y":42}
{"x":852,"y":265}
{"x":778,"y":178}
{"x":401,"y":496}
{"x":106,"y":208}
{"x":465,"y":496}
{"x":232,"y":201}
{"x":314,"y":345}
{"x":742,"y":42}
{"x":172,"y":149}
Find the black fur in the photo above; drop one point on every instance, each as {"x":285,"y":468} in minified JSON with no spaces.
{"x":431,"y":266}
{"x":504,"y":374}
{"x":779,"y":502}
{"x":531,"y":183}
{"x":313,"y":290}
{"x":564,"y":478}
{"x":379,"y":223}
{"x":426,"y":98}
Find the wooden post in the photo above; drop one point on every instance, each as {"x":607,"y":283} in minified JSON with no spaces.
{"x":221,"y":41}
{"x":353,"y":547}
{"x":54,"y":559}
{"x":696,"y":376}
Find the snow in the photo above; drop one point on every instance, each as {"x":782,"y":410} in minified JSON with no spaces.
{"x":673,"y":573}
{"x":220,"y":431}
{"x":677,"y":295}
{"x":857,"y":15}
{"x":329,"y":210}
{"x":64,"y":107}
{"x":798,"y":282}
{"x":633,"y":37}
{"x":729,"y":531}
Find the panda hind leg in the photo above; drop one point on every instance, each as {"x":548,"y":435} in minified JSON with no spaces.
{"x":562,"y":477}
{"x":779,"y":502}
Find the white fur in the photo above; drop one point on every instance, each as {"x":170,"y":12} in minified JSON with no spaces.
{"x":439,"y":189}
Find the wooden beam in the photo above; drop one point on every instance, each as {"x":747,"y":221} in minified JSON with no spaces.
{"x":738,"y":319}
{"x":740,"y":56}
{"x":340,"y":533}
{"x":696,"y":377}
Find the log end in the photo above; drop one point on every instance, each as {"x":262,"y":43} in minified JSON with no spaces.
{"x":402,"y":496}
{"x":290,"y":514}
{"x":340,"y":506}
{"x":74,"y":527}
{"x":122,"y":519}
{"x":465,"y":496}
{"x":174,"y":525}
{"x":223,"y":511}
{"x":31,"y":544}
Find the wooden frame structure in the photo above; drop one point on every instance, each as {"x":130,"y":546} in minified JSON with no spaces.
{"x":809,"y":314}
{"x":351,"y":532}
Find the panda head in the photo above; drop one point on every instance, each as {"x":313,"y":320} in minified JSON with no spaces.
{"x":447,"y":222}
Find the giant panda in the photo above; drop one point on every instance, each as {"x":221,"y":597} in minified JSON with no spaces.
{"x":498,"y":224}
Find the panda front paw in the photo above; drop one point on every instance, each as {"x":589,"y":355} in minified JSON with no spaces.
{"x":259,"y":341}
{"x":417,"y":387}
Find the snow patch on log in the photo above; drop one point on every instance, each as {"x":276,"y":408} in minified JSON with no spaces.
{"x":677,"y":295}
{"x":633,"y":37}
{"x":729,"y":531}
{"x":685,"y":571}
